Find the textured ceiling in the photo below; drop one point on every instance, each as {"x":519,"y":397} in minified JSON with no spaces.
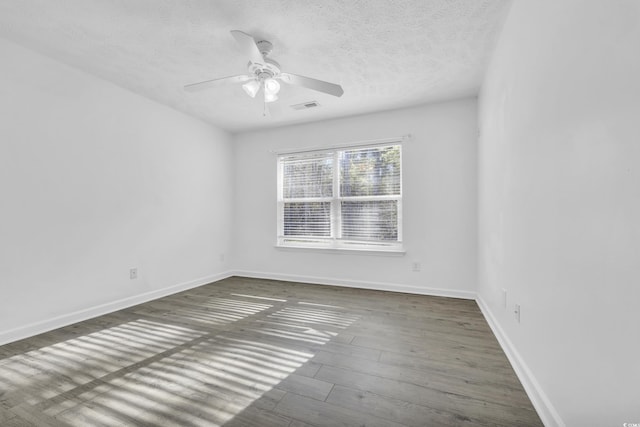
{"x":385,"y":53}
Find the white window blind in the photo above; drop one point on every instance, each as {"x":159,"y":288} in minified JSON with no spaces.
{"x":341,"y":198}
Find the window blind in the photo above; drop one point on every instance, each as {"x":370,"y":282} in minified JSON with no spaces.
{"x":341,"y":198}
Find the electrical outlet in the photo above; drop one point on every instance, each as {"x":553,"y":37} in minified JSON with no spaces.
{"x":416,"y":266}
{"x":133,"y":273}
{"x":221,"y":257}
{"x":516,"y":312}
{"x":504,"y":298}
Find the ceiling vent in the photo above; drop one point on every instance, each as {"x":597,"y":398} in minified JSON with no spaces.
{"x":306,"y":105}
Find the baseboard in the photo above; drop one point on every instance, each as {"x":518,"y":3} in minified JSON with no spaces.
{"x":99,"y":310}
{"x":539,"y":399}
{"x":363,"y":284}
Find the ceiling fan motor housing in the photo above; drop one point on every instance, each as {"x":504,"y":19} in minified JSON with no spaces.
{"x":270,"y":69}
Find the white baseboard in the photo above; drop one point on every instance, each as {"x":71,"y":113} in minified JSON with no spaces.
{"x":363,"y":284}
{"x":539,"y":399}
{"x":88,"y":313}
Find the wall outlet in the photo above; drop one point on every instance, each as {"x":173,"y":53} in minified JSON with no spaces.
{"x":504,"y":298}
{"x":221,"y":257}
{"x":133,"y":273}
{"x":416,"y":266}
{"x":516,"y":312}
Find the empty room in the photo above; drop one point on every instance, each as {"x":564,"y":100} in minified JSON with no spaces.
{"x":320,"y":213}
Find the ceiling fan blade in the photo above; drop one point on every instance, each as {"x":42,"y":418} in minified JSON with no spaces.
{"x":308,"y":82}
{"x":248,"y":45}
{"x":216,"y":82}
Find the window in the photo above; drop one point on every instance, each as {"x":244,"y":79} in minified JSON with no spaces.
{"x":347,"y":198}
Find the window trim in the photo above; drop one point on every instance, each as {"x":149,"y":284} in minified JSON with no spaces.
{"x":334,"y":243}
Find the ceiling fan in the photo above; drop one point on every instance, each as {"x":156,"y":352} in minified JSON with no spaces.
{"x":264,"y":73}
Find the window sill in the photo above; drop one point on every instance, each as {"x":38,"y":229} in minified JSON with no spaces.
{"x":344,"y":251}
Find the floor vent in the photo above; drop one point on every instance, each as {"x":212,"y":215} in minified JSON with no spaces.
{"x":306,"y":105}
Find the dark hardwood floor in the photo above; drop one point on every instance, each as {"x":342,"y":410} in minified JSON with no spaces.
{"x":248,"y":352}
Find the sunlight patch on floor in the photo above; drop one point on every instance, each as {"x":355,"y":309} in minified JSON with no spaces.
{"x":158,"y":371}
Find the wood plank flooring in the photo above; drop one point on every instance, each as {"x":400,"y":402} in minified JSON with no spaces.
{"x":249,"y":352}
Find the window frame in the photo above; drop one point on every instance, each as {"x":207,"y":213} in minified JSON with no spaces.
{"x":334,"y":241}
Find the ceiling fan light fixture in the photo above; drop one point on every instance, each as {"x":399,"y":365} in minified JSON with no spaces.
{"x":251,"y":87}
{"x":271,"y":86}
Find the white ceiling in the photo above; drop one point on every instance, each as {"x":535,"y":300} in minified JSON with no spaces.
{"x":386,"y":54}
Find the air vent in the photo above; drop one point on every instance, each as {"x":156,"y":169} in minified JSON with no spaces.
{"x":305,"y":105}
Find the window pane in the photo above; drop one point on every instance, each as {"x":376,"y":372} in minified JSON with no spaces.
{"x":370,"y":171}
{"x":307,"y":219}
{"x":370,"y":221}
{"x":307,"y":176}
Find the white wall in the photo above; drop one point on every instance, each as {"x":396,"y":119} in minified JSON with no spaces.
{"x":560,"y":205}
{"x":439,"y":187}
{"x":95,"y":180}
